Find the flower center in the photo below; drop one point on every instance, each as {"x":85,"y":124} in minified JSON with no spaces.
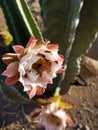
{"x":42,"y":65}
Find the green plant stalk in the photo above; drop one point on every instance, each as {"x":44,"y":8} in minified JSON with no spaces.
{"x":75,"y":7}
{"x":29,"y":19}
{"x":54,"y":14}
{"x":70,"y":33}
{"x":20,"y":20}
{"x":71,"y":27}
{"x":85,"y":36}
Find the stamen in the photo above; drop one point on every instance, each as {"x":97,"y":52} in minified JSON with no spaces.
{"x":56,"y":62}
{"x":41,"y":55}
{"x":48,"y":51}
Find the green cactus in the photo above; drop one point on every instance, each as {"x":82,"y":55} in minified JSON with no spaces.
{"x":13,"y":93}
{"x":54,"y":18}
{"x":20,"y":21}
{"x":61,"y":25}
{"x":85,"y":36}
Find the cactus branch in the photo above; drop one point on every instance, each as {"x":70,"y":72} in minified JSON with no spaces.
{"x":85,"y":36}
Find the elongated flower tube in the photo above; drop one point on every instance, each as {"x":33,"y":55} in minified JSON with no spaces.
{"x":34,"y":66}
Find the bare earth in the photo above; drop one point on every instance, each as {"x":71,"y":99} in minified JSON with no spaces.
{"x":83,"y":98}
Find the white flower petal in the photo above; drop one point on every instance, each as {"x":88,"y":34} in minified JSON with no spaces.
{"x":32,"y":76}
{"x":51,"y":124}
{"x":21,"y":70}
{"x":28,"y":60}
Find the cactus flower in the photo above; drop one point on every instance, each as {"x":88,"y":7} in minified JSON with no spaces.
{"x":53,"y":117}
{"x":34,"y":66}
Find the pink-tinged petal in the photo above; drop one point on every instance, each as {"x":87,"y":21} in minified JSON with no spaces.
{"x":69,"y":121}
{"x":61,"y":70}
{"x":50,"y":81}
{"x":53,"y":46}
{"x":31,"y":41}
{"x":38,"y":44}
{"x":9,"y":57}
{"x":36,"y":113}
{"x":40,"y":90}
{"x":12,"y":69}
{"x":31,"y":93}
{"x":47,"y":42}
{"x":61,"y":58}
{"x":12,"y":80}
{"x":18,"y":49}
